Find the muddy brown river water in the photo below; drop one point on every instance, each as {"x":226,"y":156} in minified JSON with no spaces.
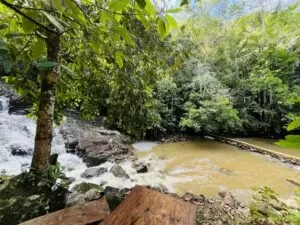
{"x":208,"y":167}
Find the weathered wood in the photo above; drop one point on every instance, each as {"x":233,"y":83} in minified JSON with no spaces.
{"x":147,"y":207}
{"x":89,"y":213}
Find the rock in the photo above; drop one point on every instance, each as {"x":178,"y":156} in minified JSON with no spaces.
{"x":103,"y":182}
{"x":23,"y":198}
{"x":65,"y":181}
{"x":33,"y":197}
{"x":93,"y":172}
{"x":115,"y":196}
{"x":118,"y":171}
{"x":160,"y":188}
{"x":20,"y":151}
{"x":76,"y":198}
{"x":19,"y":105}
{"x":82,"y":193}
{"x":228,"y":198}
{"x":95,"y":145}
{"x":141,"y":167}
{"x":53,"y":159}
{"x":84,"y":187}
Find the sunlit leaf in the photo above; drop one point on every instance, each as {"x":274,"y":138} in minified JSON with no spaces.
{"x":28,"y":26}
{"x":171,"y":21}
{"x":119,"y":60}
{"x":117,"y":5}
{"x":38,"y":48}
{"x":294,"y":125}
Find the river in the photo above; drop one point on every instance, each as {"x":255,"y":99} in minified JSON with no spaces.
{"x":208,"y":167}
{"x":201,"y":167}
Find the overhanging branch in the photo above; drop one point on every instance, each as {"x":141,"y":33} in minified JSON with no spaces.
{"x":15,"y":8}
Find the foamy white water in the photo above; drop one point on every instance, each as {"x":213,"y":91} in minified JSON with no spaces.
{"x":17,"y":134}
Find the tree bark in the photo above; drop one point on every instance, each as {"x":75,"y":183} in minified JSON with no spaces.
{"x":43,"y":137}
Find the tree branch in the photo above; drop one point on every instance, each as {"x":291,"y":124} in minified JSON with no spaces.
{"x":14,"y":8}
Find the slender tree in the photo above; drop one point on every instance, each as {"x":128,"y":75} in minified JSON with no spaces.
{"x":49,"y":25}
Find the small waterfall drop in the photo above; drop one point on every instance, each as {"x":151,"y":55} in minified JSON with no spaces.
{"x":17,"y":134}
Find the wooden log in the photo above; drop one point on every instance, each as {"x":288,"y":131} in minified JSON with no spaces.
{"x":89,"y":213}
{"x":147,"y":207}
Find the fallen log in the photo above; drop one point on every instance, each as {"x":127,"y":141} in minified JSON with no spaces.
{"x":147,"y":207}
{"x":89,"y":213}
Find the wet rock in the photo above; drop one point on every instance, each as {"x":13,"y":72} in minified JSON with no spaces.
{"x":82,"y":193}
{"x":76,"y":198}
{"x":84,"y":187}
{"x":95,"y":145}
{"x":115,"y":196}
{"x":65,"y":181}
{"x":141,"y":167}
{"x":20,"y":150}
{"x":118,"y":171}
{"x":19,"y":105}
{"x":26,"y":196}
{"x":93,"y":172}
{"x":53,"y":159}
{"x":159,"y":187}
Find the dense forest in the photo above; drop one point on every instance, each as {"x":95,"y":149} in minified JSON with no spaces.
{"x":225,"y":72}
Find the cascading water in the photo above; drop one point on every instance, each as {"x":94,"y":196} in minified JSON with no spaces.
{"x":17,"y":143}
{"x":17,"y":140}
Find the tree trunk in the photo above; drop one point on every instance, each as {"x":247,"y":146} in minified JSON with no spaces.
{"x":43,"y":137}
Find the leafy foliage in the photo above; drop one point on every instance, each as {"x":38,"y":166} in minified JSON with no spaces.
{"x":266,"y":208}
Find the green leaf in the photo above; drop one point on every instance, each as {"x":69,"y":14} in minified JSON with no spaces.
{"x":38,"y":48}
{"x":294,"y":125}
{"x":14,"y":34}
{"x":4,"y":26}
{"x":57,"y":5}
{"x":150,"y":9}
{"x":125,"y":35}
{"x":46,"y":65}
{"x":119,"y":60}
{"x":54,"y":21}
{"x":161,"y":28}
{"x":171,"y":21}
{"x":291,"y":141}
{"x":174,"y":10}
{"x":27,"y":25}
{"x":141,"y":3}
{"x":76,"y":12}
{"x":68,"y":70}
{"x":118,"y":5}
{"x":141,"y":17}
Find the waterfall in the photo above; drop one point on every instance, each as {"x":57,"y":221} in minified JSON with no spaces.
{"x":3,"y":105}
{"x":17,"y":134}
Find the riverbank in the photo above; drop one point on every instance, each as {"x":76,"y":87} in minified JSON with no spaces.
{"x":284,"y":158}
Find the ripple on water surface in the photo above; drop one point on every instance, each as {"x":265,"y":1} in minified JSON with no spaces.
{"x":208,"y":167}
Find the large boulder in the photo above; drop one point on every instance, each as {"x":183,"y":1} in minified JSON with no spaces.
{"x":118,"y":171}
{"x":93,"y":172}
{"x":95,"y":145}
